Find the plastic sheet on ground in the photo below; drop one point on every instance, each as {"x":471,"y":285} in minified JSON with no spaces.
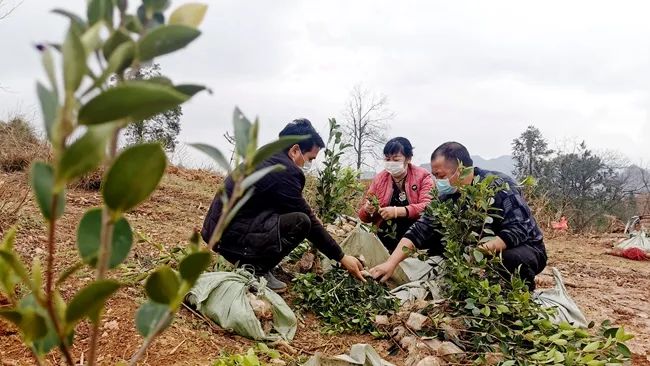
{"x":360,"y":354}
{"x":638,"y":239}
{"x":222,"y":297}
{"x":558,"y":298}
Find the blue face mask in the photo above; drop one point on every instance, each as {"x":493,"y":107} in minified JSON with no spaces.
{"x":444,"y":187}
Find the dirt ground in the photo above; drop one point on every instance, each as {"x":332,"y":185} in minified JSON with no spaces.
{"x":605,"y":287}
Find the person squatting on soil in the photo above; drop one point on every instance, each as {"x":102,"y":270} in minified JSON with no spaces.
{"x":403,"y":191}
{"x":518,"y":237}
{"x":276,"y":219}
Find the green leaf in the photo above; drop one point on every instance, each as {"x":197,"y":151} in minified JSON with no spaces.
{"x":190,"y":15}
{"x":12,"y":260}
{"x":49,"y":107}
{"x":591,"y":347}
{"x":48,"y":342}
{"x":74,"y":61}
{"x":42,"y":179}
{"x":156,"y":5}
{"x":165,"y":39}
{"x":48,"y":65}
{"x":8,"y":240}
{"x":116,"y":39}
{"x":274,"y":147}
{"x":91,"y":39}
{"x":242,"y":131}
{"x":250,"y":180}
{"x":89,"y":239}
{"x":134,"y":175}
{"x":133,"y":100}
{"x":100,"y":10}
{"x":149,"y":316}
{"x":242,"y":201}
{"x":133,"y":24}
{"x":79,"y":24}
{"x":623,"y":350}
{"x":214,"y":153}
{"x":503,"y":309}
{"x":478,"y":255}
{"x":191,"y":89}
{"x":31,"y":325}
{"x":162,"y":286}
{"x":193,"y":265}
{"x":621,"y":336}
{"x":560,"y":342}
{"x":90,"y":300}
{"x":84,"y":155}
{"x":121,"y":58}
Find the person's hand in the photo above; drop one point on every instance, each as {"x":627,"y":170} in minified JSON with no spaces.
{"x":382,"y":272}
{"x":369,"y":208}
{"x":493,"y":246}
{"x":388,"y":213}
{"x":352,"y":265}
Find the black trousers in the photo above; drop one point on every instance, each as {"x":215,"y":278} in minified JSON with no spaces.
{"x":529,"y":259}
{"x":293,"y":228}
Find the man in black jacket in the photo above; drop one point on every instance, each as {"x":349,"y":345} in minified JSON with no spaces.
{"x":277,"y":218}
{"x":518,"y":237}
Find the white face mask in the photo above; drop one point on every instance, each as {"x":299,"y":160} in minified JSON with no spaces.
{"x":306,"y":167}
{"x":395,"y":168}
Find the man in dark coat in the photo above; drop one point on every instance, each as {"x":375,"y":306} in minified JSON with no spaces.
{"x":518,"y":237}
{"x":277,"y":218}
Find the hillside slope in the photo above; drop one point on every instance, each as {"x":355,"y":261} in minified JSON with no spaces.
{"x":604,"y":286}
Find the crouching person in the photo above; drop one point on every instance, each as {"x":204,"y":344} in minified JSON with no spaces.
{"x":518,"y":239}
{"x":277,"y":218}
{"x":402,"y":190}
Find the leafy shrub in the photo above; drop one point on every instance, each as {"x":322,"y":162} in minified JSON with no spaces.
{"x":338,"y":188}
{"x":253,"y":357}
{"x":343,"y":303}
{"x":497,"y":313}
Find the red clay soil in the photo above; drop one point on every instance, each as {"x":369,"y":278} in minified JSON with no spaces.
{"x":605,"y":287}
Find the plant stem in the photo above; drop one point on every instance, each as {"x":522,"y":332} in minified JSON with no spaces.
{"x":106,"y":237}
{"x":49,"y":273}
{"x":220,"y":227}
{"x":147,"y":342}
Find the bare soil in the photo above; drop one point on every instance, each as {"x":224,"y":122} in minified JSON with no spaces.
{"x":605,"y":287}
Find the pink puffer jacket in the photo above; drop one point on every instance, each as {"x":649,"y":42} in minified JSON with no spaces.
{"x":418,"y":190}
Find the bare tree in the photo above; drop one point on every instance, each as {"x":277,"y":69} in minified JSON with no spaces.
{"x":365,"y":123}
{"x":6,"y":11}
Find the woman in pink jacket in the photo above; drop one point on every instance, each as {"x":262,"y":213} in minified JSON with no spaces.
{"x":402,"y":190}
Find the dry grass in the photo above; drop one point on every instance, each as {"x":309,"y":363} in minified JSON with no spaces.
{"x":19,"y":145}
{"x":91,"y":182}
{"x":13,"y":195}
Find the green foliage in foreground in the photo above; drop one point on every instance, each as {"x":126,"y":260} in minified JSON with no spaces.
{"x":497,"y":314}
{"x":343,"y":303}
{"x":252,"y":357}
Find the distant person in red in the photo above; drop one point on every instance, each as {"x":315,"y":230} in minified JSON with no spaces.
{"x":562,"y":225}
{"x":403,"y":192}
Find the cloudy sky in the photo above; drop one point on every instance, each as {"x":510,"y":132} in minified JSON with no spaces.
{"x":477,"y":72}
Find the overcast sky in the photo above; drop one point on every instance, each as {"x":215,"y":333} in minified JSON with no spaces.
{"x":477,"y":72}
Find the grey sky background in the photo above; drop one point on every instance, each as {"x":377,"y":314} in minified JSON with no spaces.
{"x":477,"y":72}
